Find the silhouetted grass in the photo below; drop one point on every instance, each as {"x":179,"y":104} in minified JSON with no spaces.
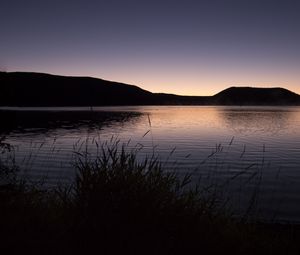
{"x":119,"y":204}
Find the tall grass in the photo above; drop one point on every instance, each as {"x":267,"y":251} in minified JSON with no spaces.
{"x":119,"y":204}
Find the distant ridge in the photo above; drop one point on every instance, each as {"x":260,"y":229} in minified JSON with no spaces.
{"x":256,"y":96}
{"x":39,"y":89}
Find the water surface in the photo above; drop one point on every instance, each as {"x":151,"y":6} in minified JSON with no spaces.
{"x":254,"y":152}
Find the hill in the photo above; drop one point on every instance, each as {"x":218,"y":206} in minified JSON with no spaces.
{"x":39,"y":89}
{"x":256,"y":96}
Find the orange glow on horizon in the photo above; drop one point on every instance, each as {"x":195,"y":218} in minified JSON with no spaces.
{"x":185,"y":83}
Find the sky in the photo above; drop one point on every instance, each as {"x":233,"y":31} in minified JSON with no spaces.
{"x":184,"y":47}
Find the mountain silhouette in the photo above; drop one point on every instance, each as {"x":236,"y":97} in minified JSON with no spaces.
{"x":39,"y":89}
{"x":256,"y":96}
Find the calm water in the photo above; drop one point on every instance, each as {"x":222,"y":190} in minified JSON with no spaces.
{"x":253,"y":153}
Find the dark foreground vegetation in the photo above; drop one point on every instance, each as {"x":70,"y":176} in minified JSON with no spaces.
{"x":38,"y":89}
{"x":119,"y":205}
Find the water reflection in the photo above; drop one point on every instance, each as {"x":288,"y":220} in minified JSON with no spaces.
{"x":246,"y":121}
{"x":267,"y":137}
{"x":22,"y":122}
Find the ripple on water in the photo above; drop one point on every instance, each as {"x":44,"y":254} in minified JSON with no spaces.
{"x":242,"y":147}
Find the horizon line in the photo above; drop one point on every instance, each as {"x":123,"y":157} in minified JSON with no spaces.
{"x":130,"y":84}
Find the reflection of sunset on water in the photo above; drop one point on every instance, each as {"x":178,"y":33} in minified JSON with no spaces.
{"x":265,"y":138}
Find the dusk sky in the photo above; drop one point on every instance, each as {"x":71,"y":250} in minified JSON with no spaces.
{"x":182,"y":47}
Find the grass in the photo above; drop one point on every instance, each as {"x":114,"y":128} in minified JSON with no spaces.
{"x":119,"y":204}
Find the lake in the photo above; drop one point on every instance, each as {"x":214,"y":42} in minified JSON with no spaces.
{"x":251,"y":154}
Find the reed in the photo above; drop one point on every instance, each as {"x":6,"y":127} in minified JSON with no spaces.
{"x":121,"y":204}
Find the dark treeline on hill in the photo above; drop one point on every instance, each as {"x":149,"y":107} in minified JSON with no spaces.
{"x":38,"y":89}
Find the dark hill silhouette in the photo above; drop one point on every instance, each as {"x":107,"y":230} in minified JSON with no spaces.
{"x":38,"y":89}
{"x":256,"y":96}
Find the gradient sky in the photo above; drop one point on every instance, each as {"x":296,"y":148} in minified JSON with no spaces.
{"x":183,"y":47}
